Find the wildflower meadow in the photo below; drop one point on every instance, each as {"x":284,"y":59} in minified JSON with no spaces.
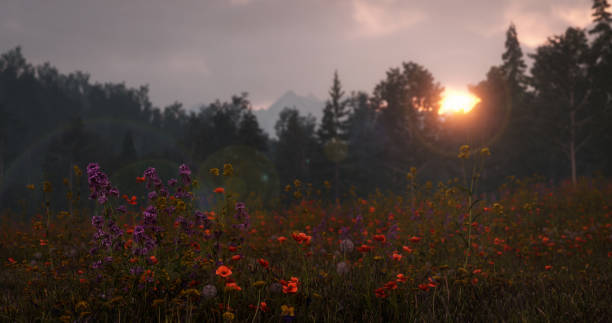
{"x":527,"y":251}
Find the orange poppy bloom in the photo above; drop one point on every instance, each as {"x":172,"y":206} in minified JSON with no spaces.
{"x":290,"y":288}
{"x":401,"y":278}
{"x":264,"y":263}
{"x":415,"y":239}
{"x":380,"y":292}
{"x":397,"y":256}
{"x":391,"y":285}
{"x":223,"y":271}
{"x":380,"y":238}
{"x":232,"y":286}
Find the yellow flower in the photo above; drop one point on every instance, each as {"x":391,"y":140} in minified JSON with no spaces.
{"x":47,"y":186}
{"x":259,"y":283}
{"x":228,"y":316}
{"x":287,"y":310}
{"x":228,"y":170}
{"x":464,"y":152}
{"x":158,"y":301}
{"x":287,"y":188}
{"x":77,"y":171}
{"x":297,"y":183}
{"x":214,"y":171}
{"x":413,"y":170}
{"x":485,"y":151}
{"x":31,"y":187}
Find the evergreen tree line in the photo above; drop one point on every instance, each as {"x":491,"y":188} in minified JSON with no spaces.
{"x":553,"y":120}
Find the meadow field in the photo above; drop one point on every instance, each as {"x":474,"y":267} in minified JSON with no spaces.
{"x":529,"y":251}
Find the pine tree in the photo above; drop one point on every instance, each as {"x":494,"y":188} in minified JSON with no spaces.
{"x":249,"y":132}
{"x":333,"y":123}
{"x":564,"y":89}
{"x":513,"y":64}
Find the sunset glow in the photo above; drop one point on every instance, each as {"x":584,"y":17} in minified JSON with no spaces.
{"x":457,"y":102}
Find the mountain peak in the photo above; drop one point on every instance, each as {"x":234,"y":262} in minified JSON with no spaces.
{"x":309,"y":104}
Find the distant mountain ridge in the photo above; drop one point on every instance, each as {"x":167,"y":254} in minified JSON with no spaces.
{"x":309,"y":104}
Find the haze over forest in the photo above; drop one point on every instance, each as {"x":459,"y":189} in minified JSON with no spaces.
{"x":355,"y":108}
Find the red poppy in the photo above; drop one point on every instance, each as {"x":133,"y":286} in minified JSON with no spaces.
{"x":380,"y":238}
{"x":391,"y":285}
{"x":397,"y":256}
{"x":381,"y":292}
{"x":140,"y":179}
{"x":364,"y":248}
{"x":263,"y":306}
{"x":290,"y":288}
{"x":232,"y":286}
{"x":548,"y":267}
{"x":264,"y":263}
{"x":223,"y":271}
{"x":401,"y":278}
{"x":219,"y":190}
{"x":153,"y":260}
{"x":407,"y":249}
{"x":12,"y":261}
{"x":236,"y":257}
{"x":415,"y":239}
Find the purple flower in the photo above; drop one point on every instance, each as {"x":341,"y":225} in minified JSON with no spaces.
{"x":97,"y":221}
{"x":99,"y":185}
{"x":139,"y":231}
{"x":150,"y":215}
{"x":185,"y":173}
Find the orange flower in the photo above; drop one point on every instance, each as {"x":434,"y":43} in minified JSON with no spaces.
{"x":281,"y":239}
{"x":290,"y":288}
{"x":391,"y":285}
{"x":397,"y":256}
{"x":223,"y":271}
{"x":263,"y":306}
{"x":220,"y":190}
{"x":232,"y":286}
{"x":264,"y":263}
{"x":401,"y":278}
{"x":548,"y":267}
{"x":236,"y":257}
{"x":380,"y":238}
{"x":415,"y":239}
{"x":380,"y":292}
{"x":424,"y":287}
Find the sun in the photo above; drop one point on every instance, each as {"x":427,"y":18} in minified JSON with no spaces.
{"x":457,"y":102}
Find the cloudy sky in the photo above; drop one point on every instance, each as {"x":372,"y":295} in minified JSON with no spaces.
{"x":195,"y":51}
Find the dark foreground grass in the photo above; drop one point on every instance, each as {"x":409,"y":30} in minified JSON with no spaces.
{"x":534,"y":253}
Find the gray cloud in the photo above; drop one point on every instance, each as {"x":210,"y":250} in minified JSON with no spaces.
{"x":197,"y":51}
